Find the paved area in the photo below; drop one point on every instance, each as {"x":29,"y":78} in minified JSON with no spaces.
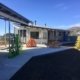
{"x":8,"y":67}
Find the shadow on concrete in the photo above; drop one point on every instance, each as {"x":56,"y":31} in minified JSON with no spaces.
{"x":63,"y":65}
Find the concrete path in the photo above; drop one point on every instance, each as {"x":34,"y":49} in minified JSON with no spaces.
{"x":8,"y":67}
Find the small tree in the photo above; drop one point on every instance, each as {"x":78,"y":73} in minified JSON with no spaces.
{"x":15,"y":47}
{"x":77,"y":45}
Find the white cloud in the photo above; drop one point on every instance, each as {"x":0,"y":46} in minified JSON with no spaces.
{"x":61,"y":6}
{"x":65,"y":7}
{"x":77,"y":25}
{"x":67,"y":26}
{"x":77,"y":16}
{"x":60,"y":27}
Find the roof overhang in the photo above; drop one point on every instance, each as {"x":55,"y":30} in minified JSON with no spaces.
{"x":9,"y":14}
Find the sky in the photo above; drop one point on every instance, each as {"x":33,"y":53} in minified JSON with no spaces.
{"x":60,"y":14}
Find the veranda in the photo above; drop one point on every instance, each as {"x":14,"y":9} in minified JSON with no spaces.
{"x":9,"y":17}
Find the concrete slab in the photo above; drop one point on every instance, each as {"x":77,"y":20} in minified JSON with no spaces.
{"x":8,"y":67}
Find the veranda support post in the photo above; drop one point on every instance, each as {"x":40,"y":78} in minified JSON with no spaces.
{"x":9,"y":36}
{"x":5,"y":33}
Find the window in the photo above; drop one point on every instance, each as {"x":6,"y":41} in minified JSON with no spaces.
{"x":35,"y":35}
{"x":60,"y":33}
{"x":23,"y":33}
{"x":44,"y":35}
{"x":54,"y":33}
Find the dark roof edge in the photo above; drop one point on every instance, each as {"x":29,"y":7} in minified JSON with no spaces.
{"x":14,"y":12}
{"x":32,"y":26}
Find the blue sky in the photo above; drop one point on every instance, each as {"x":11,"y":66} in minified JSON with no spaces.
{"x":60,"y":14}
